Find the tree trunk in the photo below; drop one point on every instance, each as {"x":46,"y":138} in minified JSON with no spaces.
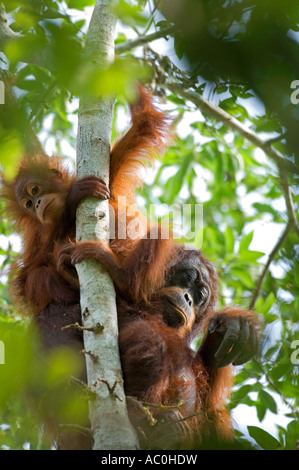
{"x":108,"y":415}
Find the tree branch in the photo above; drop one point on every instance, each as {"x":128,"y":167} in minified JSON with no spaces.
{"x":109,"y":420}
{"x":276,"y":139}
{"x":267,"y":265}
{"x":141,"y":40}
{"x":289,"y":201}
{"x":231,"y":122}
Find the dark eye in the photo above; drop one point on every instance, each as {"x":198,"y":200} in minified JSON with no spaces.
{"x":201,"y":295}
{"x":28,"y":204}
{"x":192,"y":275}
{"x":34,"y":190}
{"x":56,"y":172}
{"x":183,"y":277}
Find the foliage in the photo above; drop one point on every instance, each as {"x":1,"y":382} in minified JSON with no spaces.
{"x":246,"y":206}
{"x":247,"y":45}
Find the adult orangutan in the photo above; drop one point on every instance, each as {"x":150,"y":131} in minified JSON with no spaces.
{"x":166,"y":295}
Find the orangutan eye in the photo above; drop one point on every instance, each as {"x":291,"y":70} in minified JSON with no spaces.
{"x":28,"y":204}
{"x":34,"y":190}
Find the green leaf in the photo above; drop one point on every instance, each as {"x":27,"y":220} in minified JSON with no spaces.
{"x":267,"y":304}
{"x":263,"y":438}
{"x":52,"y":13}
{"x":292,"y":435}
{"x":243,"y":275}
{"x":250,"y":256}
{"x":221,"y":89}
{"x":288,"y":389}
{"x":245,"y":242}
{"x":80,"y":4}
{"x":219,"y":172}
{"x":261,"y":208}
{"x":229,"y":240}
{"x":178,"y":48}
{"x":174,"y":184}
{"x":261,"y":411}
{"x":129,"y":14}
{"x":242,"y":392}
{"x":268,"y":401}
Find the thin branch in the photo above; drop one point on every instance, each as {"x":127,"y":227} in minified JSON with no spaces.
{"x":161,"y":406}
{"x":95,"y":329}
{"x":93,"y":356}
{"x":231,"y":122}
{"x":267,"y":265}
{"x":145,"y":406}
{"x":278,"y":138}
{"x":110,"y":388}
{"x":141,"y":40}
{"x":289,"y":201}
{"x":188,"y":417}
{"x":144,"y":409}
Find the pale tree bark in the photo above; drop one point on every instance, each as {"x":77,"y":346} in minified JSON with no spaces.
{"x":108,"y":415}
{"x":6,"y":33}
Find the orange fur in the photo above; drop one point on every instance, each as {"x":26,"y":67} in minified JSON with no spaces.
{"x":144,"y":140}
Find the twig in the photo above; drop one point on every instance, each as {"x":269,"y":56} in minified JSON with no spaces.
{"x":144,"y":409}
{"x":289,"y":201}
{"x":188,"y":417}
{"x":146,"y":405}
{"x":161,"y":406}
{"x":93,"y":356}
{"x":129,"y":45}
{"x":96,"y":329}
{"x":110,"y":388}
{"x":278,"y":138}
{"x":267,"y":265}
